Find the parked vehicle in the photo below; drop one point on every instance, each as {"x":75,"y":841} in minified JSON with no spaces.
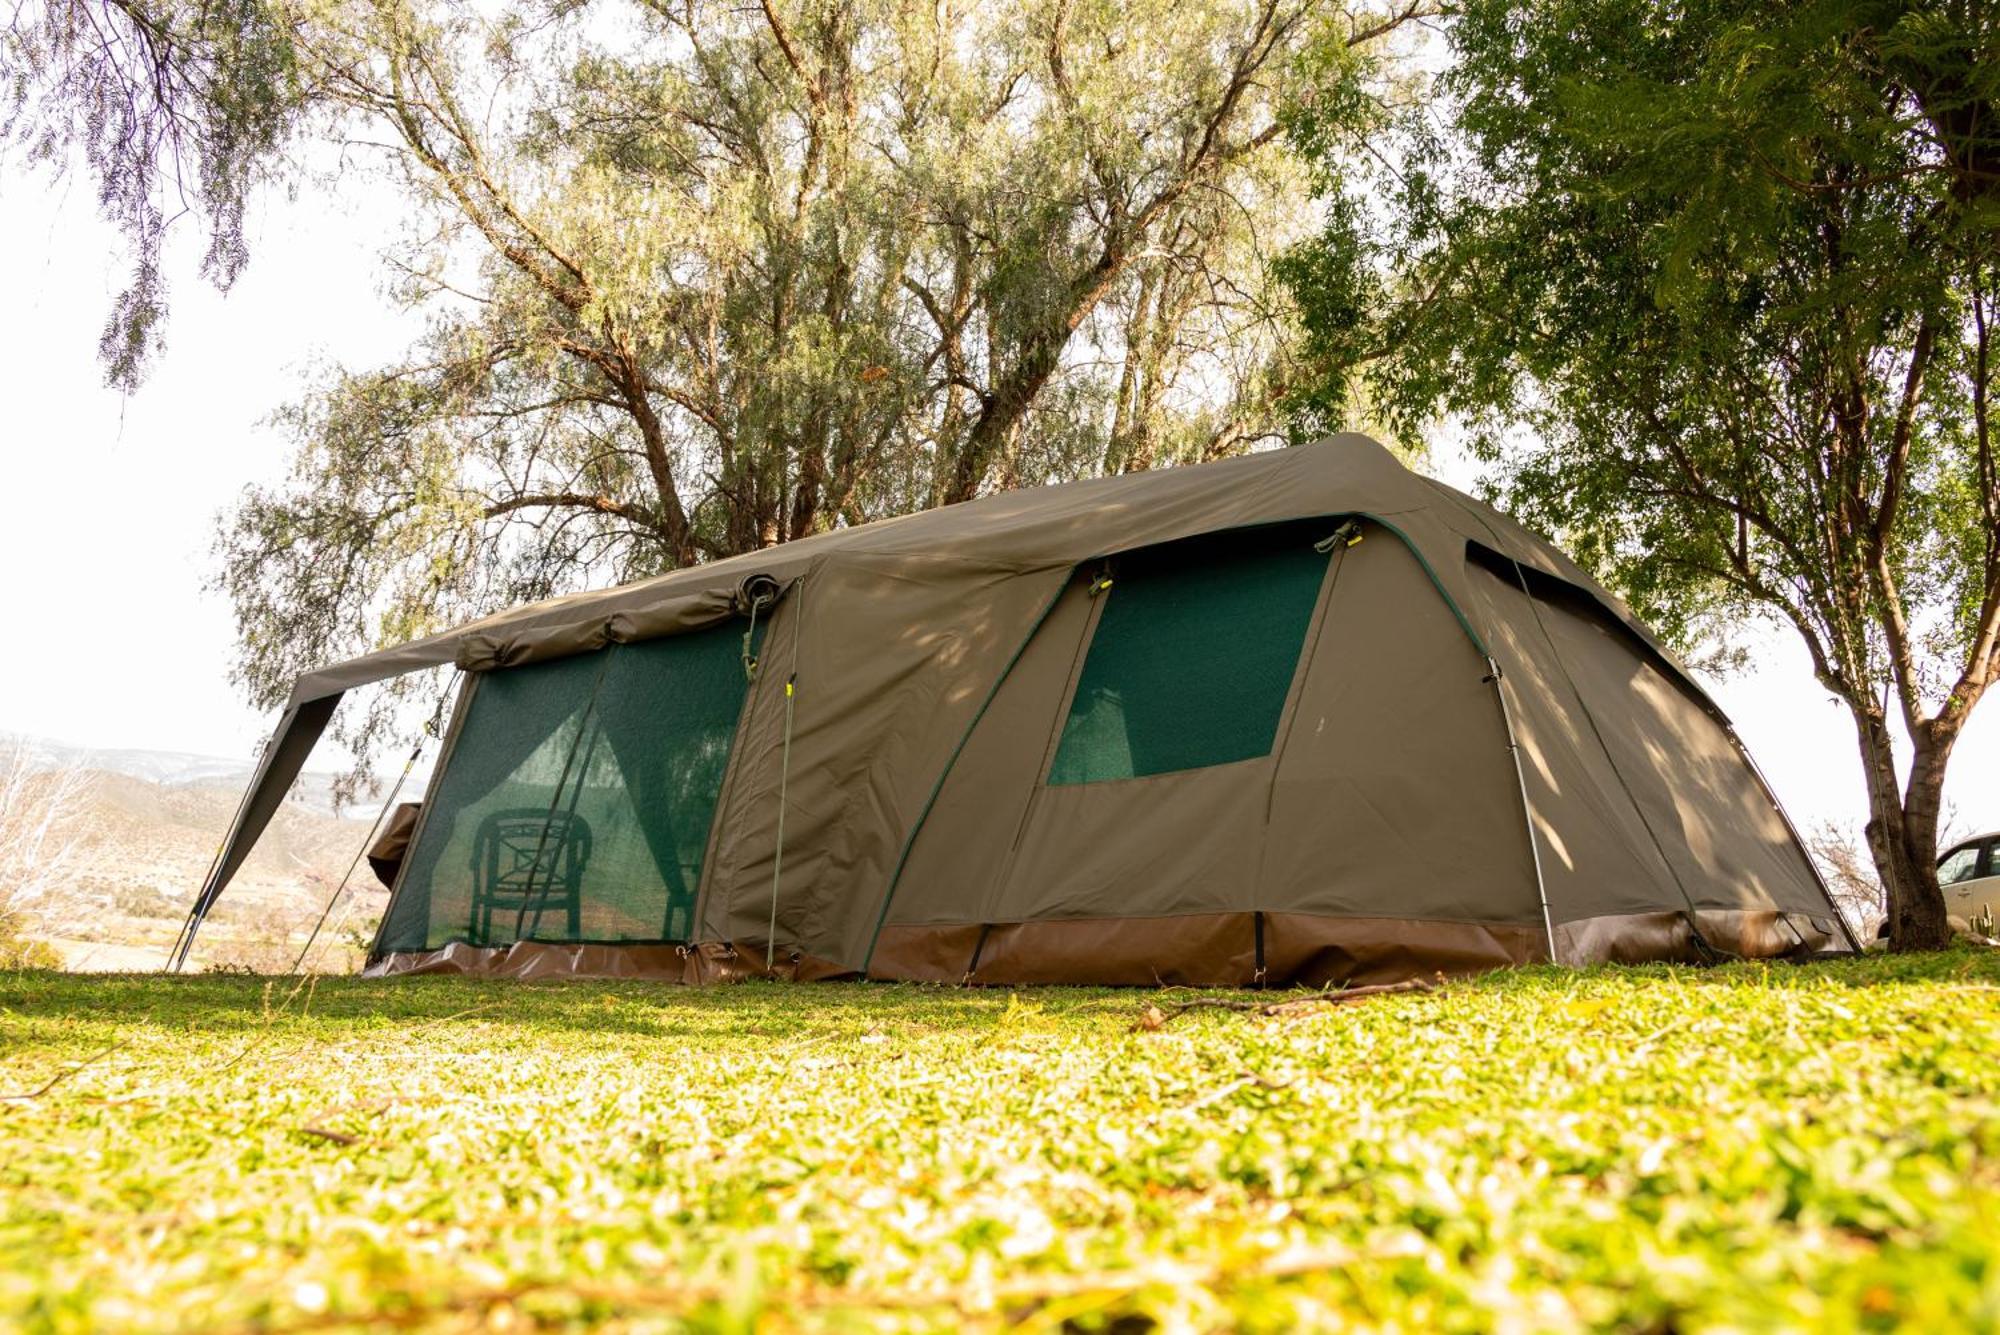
{"x":1969,"y":873}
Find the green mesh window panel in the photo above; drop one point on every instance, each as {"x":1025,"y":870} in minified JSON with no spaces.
{"x":577,"y":801}
{"x":1193,"y":655}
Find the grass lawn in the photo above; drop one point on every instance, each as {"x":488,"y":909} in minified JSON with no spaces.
{"x":1668,"y":1150}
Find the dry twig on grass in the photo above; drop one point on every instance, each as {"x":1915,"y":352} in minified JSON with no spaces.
{"x":313,"y":1128}
{"x":1154,"y":1018}
{"x":63,"y":1074}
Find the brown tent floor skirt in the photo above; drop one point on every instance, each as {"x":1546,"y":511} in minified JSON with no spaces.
{"x":1198,"y":950}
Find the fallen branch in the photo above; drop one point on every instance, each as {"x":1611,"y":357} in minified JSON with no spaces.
{"x":63,"y":1075}
{"x":312,"y":1126}
{"x":1154,"y":1018}
{"x":337,"y":1137}
{"x":1242,"y":1082}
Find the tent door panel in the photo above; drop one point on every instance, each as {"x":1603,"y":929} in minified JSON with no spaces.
{"x":961,"y":854}
{"x":1598,"y":857}
{"x":897,"y":656}
{"x":1153,"y":802}
{"x":1726,"y":844}
{"x":1394,"y":795}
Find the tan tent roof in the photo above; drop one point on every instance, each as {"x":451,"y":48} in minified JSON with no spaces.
{"x":1043,"y":528}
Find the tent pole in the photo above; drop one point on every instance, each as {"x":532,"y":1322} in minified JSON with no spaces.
{"x":1527,"y":809}
{"x":367,"y":843}
{"x":174,"y":952}
{"x":184,"y":942}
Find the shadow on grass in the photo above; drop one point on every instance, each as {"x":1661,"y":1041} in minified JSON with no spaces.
{"x":775,"y":1011}
{"x":223,"y":1003}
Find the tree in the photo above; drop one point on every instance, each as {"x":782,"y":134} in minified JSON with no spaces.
{"x":39,"y":807}
{"x":1734,"y":265}
{"x":178,"y":109}
{"x":1841,"y":852}
{"x":752,"y":272}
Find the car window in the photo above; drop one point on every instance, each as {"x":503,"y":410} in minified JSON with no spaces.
{"x":1959,"y":866}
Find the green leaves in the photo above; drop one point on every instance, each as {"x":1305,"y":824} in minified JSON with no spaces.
{"x":1711,"y":284}
{"x":711,"y":277}
{"x":176,"y":107}
{"x":1735,"y":1148}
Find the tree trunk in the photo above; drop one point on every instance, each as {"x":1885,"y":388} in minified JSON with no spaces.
{"x":1902,"y":833}
{"x":1037,"y":357}
{"x":1000,"y":412}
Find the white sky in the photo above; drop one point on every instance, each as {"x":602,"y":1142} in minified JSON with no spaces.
{"x":110,"y":505}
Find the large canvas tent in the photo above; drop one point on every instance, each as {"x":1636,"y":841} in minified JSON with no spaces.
{"x":1298,"y":717}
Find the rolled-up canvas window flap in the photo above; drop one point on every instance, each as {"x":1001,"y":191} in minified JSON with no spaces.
{"x":490,"y":652}
{"x":485,"y":651}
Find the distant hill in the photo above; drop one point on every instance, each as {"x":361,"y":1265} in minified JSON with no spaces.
{"x":141,"y":834}
{"x":185,"y":769}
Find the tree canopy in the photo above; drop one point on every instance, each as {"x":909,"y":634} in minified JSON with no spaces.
{"x":708,"y":277}
{"x":178,"y":109}
{"x":1732,"y":265}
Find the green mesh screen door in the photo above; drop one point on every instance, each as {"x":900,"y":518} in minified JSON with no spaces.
{"x":1193,"y":655}
{"x":577,"y":800}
